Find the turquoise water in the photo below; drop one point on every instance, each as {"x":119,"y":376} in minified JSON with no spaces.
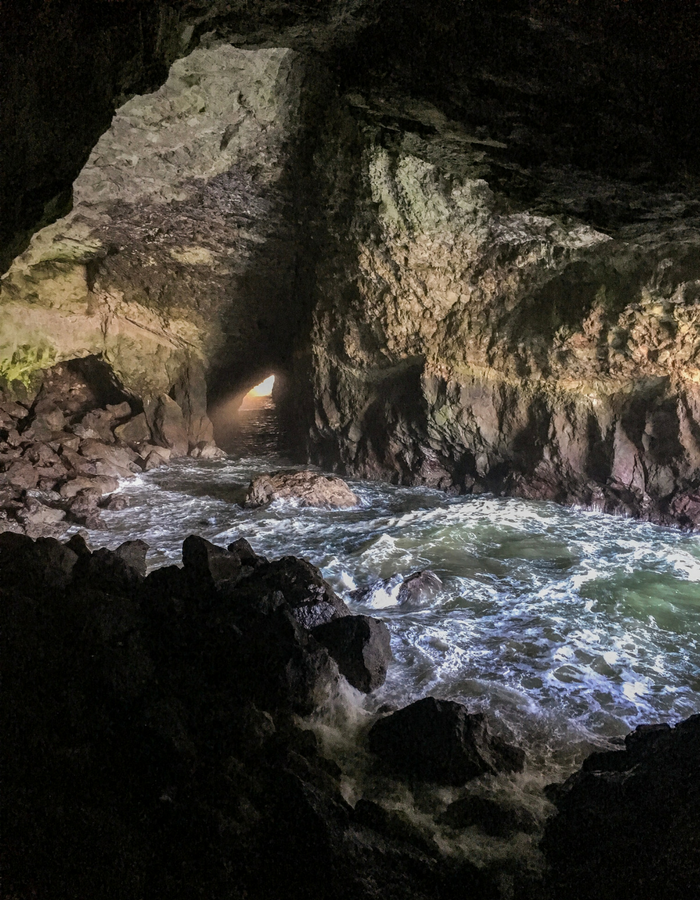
{"x":570,"y":627}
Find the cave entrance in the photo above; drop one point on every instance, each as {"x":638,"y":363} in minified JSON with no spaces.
{"x":259,"y":396}
{"x":247,"y":423}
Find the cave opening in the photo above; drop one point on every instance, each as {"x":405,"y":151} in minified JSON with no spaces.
{"x":247,"y":422}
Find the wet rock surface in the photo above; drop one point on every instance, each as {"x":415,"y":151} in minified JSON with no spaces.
{"x":361,"y":646}
{"x":460,"y":747}
{"x":305,"y":488}
{"x":152,"y":746}
{"x":629,"y":820}
{"x":64,"y":450}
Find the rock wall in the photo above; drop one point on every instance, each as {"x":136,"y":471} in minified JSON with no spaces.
{"x":183,"y":248}
{"x":468,"y":340}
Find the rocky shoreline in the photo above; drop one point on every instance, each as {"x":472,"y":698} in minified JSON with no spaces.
{"x":159,"y":741}
{"x":64,"y":449}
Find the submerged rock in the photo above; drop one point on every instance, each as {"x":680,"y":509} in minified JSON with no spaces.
{"x":306,"y":488}
{"x":361,"y":646}
{"x":440,"y":741}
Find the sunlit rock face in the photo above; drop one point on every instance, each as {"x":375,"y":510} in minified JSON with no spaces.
{"x":181,"y":248}
{"x":467,"y":339}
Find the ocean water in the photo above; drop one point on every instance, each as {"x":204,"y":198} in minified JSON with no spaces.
{"x":569,"y":627}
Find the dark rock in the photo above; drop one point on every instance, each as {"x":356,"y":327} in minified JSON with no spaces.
{"x":494,"y":817}
{"x":35,"y":565}
{"x":438,"y":740}
{"x":79,"y":545}
{"x":629,"y":818}
{"x":396,"y":824}
{"x":82,"y":508}
{"x":419,"y":587}
{"x":311,"y":599}
{"x":207,"y":564}
{"x":245,"y":552}
{"x":361,"y":646}
{"x":134,"y":555}
{"x":306,"y":488}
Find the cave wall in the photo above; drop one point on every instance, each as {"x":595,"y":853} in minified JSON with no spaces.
{"x":466,"y":340}
{"x":186,"y":247}
{"x":468,"y":235}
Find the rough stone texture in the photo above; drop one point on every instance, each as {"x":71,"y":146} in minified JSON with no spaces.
{"x":438,"y":740}
{"x":629,"y":820}
{"x":361,"y":645}
{"x":305,"y":488}
{"x":181,"y":247}
{"x":471,"y":337}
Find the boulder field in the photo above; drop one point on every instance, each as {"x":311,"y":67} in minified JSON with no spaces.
{"x":160,"y":740}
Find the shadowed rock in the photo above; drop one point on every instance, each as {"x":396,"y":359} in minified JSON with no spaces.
{"x":494,"y":817}
{"x":206,"y":563}
{"x":361,"y":646}
{"x":438,"y":740}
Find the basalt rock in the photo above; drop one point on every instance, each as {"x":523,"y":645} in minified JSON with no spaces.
{"x":361,"y":646}
{"x":439,"y":741}
{"x":305,"y":488}
{"x":629,"y":818}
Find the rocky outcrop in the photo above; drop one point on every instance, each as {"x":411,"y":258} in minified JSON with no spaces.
{"x":304,"y":488}
{"x":64,"y":452}
{"x":151,"y":741}
{"x":630,"y":818}
{"x":182,"y":246}
{"x":469,"y":339}
{"x":361,"y":646}
{"x":439,"y":741}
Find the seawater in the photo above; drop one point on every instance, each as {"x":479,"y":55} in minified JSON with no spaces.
{"x":568,"y":627}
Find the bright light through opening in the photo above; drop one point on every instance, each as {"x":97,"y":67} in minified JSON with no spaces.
{"x":264,"y":389}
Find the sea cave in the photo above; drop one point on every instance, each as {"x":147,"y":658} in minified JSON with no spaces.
{"x":350,"y":449}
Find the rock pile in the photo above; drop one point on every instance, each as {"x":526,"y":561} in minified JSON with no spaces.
{"x":305,"y":488}
{"x":64,"y":452}
{"x":152,"y":741}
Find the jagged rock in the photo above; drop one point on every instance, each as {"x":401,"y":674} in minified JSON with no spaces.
{"x":135,"y":431}
{"x":35,"y":565}
{"x":438,"y":740}
{"x":207,"y":564}
{"x":306,"y":488}
{"x":630,"y":817}
{"x":38,"y":519}
{"x":493,"y":816}
{"x":21,"y":474}
{"x":245,"y":552}
{"x":418,"y":587}
{"x":207,"y":450}
{"x":120,"y":570}
{"x":102,"y":483}
{"x":361,"y":646}
{"x":311,"y":599}
{"x":134,"y":555}
{"x":167,"y":425}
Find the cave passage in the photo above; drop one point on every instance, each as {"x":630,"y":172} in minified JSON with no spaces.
{"x":247,"y":424}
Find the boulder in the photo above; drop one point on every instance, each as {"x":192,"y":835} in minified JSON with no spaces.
{"x":167,"y":424}
{"x":35,"y":565}
{"x":21,"y":474}
{"x":628,"y":822}
{"x":361,"y":646}
{"x":135,"y":431}
{"x":38,"y":519}
{"x":418,"y":588}
{"x":102,"y":483}
{"x":208,"y":564}
{"x":82,"y":508}
{"x":246,"y":554}
{"x":311,"y":599}
{"x":134,"y":555}
{"x":207,"y":450}
{"x":440,"y":741}
{"x":495,"y":817}
{"x":306,"y":488}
